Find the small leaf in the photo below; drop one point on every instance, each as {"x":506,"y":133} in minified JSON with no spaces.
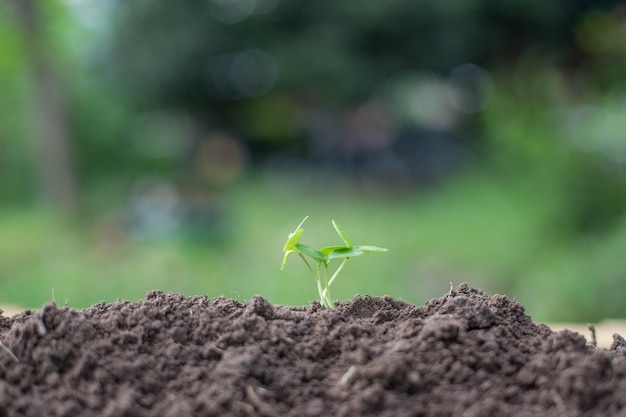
{"x":311,"y":252}
{"x":342,"y":234}
{"x":328,"y":249}
{"x":287,"y":254}
{"x":368,"y":248}
{"x":293,"y":240}
{"x":344,"y":253}
{"x":294,"y":237}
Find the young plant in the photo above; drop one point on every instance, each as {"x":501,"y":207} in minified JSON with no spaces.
{"x":322,"y":258}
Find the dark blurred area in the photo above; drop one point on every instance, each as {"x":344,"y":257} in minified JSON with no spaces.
{"x":389,"y":93}
{"x":160,"y":106}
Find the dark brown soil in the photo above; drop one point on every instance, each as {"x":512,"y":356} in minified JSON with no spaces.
{"x":464,"y":354}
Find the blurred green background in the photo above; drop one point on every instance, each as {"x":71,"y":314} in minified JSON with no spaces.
{"x":154,"y":144}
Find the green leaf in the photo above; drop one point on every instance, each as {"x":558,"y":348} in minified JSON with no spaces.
{"x":287,"y":254}
{"x":294,"y":237}
{"x":368,"y":248}
{"x":344,"y":253}
{"x":328,"y":249}
{"x":292,"y":240}
{"x":311,"y":252}
{"x":342,"y":234}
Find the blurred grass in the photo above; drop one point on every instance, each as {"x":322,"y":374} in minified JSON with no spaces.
{"x":497,"y":234}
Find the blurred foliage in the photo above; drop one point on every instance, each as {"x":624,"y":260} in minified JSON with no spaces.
{"x":340,"y":50}
{"x":13,"y":83}
{"x":261,"y":68}
{"x":486,"y":136}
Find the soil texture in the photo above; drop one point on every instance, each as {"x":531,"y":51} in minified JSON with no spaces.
{"x":463,"y":354}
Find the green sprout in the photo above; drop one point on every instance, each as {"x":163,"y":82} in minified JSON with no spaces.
{"x":322,"y":258}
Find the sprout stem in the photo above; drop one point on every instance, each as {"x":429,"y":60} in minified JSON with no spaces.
{"x":326,"y":293}
{"x":320,"y":291}
{"x":308,"y":265}
{"x":332,"y":279}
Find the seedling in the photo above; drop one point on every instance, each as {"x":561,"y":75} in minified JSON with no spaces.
{"x":322,"y":258}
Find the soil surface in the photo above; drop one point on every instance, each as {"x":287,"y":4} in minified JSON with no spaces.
{"x":464,"y":354}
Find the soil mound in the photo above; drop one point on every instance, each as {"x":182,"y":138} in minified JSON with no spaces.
{"x":466,"y":353}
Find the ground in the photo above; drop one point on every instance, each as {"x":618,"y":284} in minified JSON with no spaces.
{"x":465,"y":353}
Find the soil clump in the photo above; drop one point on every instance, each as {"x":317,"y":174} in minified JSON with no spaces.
{"x":464,"y":354}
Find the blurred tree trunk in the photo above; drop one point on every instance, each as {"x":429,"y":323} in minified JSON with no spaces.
{"x":52,"y":147}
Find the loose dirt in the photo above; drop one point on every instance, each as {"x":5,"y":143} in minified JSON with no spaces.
{"x":464,"y":354}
